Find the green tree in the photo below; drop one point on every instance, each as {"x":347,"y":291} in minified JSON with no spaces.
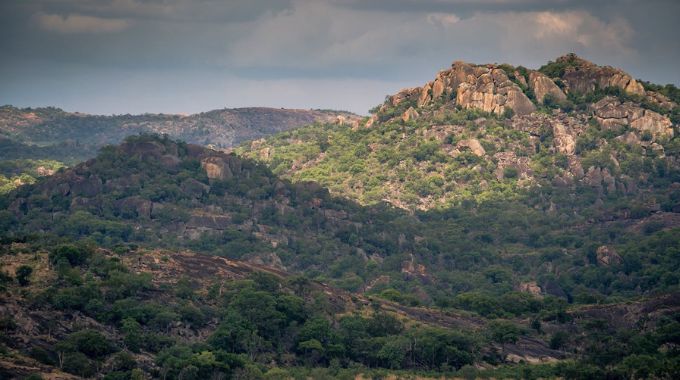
{"x":23,"y":274}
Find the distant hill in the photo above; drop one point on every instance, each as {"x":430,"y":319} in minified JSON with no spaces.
{"x":69,"y":138}
{"x":72,"y":137}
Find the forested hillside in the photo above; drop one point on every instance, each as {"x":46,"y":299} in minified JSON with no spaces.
{"x":517,"y":273}
{"x":64,"y":138}
{"x":496,"y":222}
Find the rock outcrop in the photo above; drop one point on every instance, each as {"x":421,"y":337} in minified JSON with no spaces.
{"x":221,"y":166}
{"x":563,"y":140}
{"x":600,"y":178}
{"x":486,"y":87}
{"x":404,"y":95}
{"x":541,"y":85}
{"x":412,"y":269}
{"x":661,"y":100}
{"x":473,"y":145}
{"x":489,"y":89}
{"x":216,"y":168}
{"x":510,"y":160}
{"x":531,"y":288}
{"x":607,"y":256}
{"x":582,"y":76}
{"x":409,"y":114}
{"x":610,"y":112}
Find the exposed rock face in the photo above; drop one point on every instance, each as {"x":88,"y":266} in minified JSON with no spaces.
{"x":216,"y":168}
{"x":473,"y":145}
{"x":564,"y":141}
{"x":409,"y":114}
{"x":565,"y":128}
{"x":583,"y":76}
{"x":405,"y":94}
{"x":490,"y":90}
{"x":43,"y":171}
{"x":425,"y":96}
{"x":610,"y":112}
{"x":661,"y":100}
{"x":411,"y":268}
{"x":485,"y":87}
{"x":371,"y":120}
{"x":600,"y":178}
{"x":221,"y":166}
{"x":608,"y":256}
{"x":531,"y":288}
{"x":438,"y":88}
{"x":541,"y":85}
{"x":510,"y":160}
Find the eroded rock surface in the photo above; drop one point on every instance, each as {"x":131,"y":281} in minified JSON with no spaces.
{"x":486,"y":87}
{"x":541,"y":85}
{"x":610,"y":112}
{"x":582,"y":76}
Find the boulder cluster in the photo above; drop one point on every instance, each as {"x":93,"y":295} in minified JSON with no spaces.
{"x":583,"y":76}
{"x":486,"y":87}
{"x":610,"y":112}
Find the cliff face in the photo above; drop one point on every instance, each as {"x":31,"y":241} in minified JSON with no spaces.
{"x":496,"y":88}
{"x":583,"y":76}
{"x":471,"y":86}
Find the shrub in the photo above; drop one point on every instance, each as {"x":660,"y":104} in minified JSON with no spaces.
{"x":22,"y":274}
{"x":74,"y":255}
{"x":510,"y":172}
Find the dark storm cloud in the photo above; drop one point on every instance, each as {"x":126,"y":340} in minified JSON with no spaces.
{"x":181,"y":55}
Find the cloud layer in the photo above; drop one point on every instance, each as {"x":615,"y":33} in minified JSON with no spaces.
{"x":76,"y":23}
{"x":219,"y":52}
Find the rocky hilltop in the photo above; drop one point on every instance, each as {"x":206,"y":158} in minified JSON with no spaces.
{"x":498,"y":89}
{"x":489,"y":131}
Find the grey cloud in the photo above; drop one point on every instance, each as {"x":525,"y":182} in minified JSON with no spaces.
{"x":168,"y":10}
{"x":341,"y":37}
{"x":58,"y":50}
{"x":76,"y":23}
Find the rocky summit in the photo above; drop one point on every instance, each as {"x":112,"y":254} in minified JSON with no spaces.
{"x":492,"y":131}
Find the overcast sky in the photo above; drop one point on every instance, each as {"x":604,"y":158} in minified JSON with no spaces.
{"x":186,"y":56}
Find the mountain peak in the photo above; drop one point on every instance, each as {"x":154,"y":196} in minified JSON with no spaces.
{"x":506,"y":90}
{"x":582,"y":76}
{"x":572,"y":58}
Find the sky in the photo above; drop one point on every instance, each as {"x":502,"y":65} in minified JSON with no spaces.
{"x":188,"y":56}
